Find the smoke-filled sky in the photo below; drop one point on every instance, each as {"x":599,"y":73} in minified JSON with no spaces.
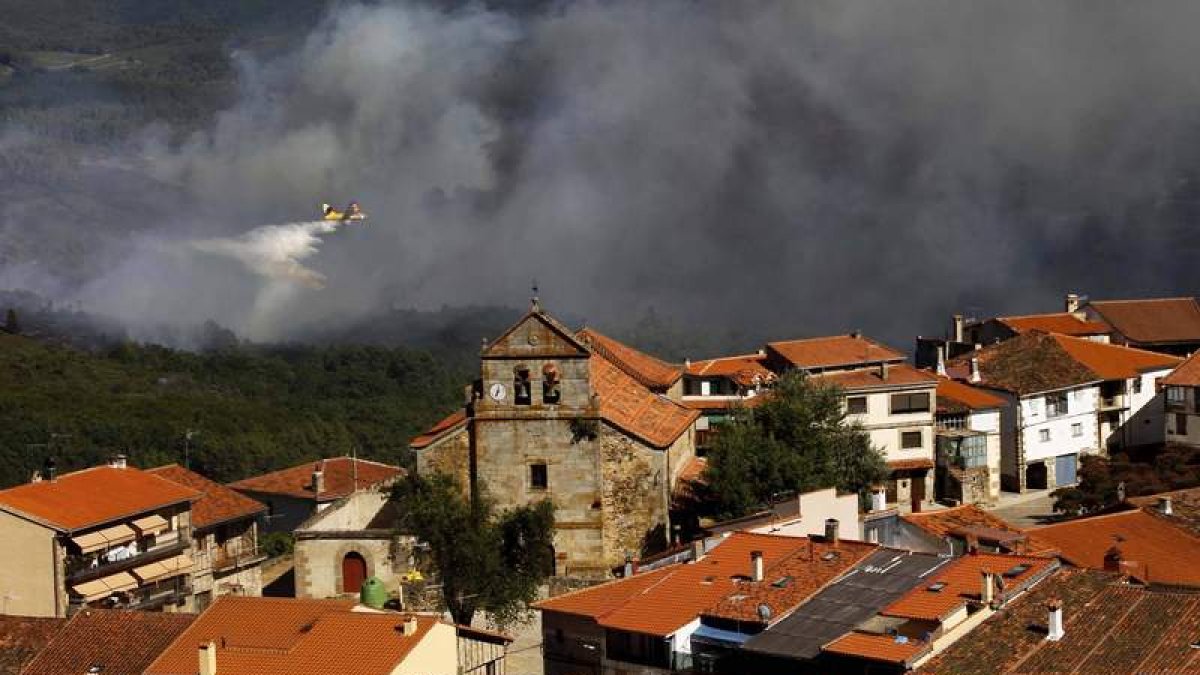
{"x":797,"y":168}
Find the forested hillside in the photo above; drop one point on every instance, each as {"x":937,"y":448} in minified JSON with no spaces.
{"x":254,"y":408}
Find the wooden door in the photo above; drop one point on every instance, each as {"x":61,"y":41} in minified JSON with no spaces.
{"x":354,"y":572}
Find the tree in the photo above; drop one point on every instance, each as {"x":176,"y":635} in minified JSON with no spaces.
{"x":796,"y":440}
{"x":11,"y":323}
{"x":487,"y":561}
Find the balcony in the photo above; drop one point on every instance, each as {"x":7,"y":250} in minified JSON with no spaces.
{"x":237,"y":553}
{"x":1114,"y":402}
{"x":85,"y":567}
{"x":150,"y":596}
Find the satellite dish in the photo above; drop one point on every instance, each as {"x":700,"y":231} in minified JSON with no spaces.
{"x":764,"y":612}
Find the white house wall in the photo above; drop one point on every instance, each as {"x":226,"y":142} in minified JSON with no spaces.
{"x":1081,"y":410}
{"x":884,"y":428}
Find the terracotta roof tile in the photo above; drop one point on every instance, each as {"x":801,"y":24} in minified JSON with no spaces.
{"x":217,"y":504}
{"x":22,"y":637}
{"x":121,"y":642}
{"x":954,"y":396}
{"x":1185,"y":507}
{"x":596,"y":601}
{"x":962,"y":581}
{"x":1156,"y":320}
{"x":1152,"y":548}
{"x":94,"y":496}
{"x":909,"y":464}
{"x":746,"y":370}
{"x":278,"y":636}
{"x":297,"y":481}
{"x":833,"y":351}
{"x":647,"y":370}
{"x":635,"y":409}
{"x":899,"y":375}
{"x":453,"y":421}
{"x":876,"y":647}
{"x":1062,"y":322}
{"x":969,"y":517}
{"x":1114,"y":362}
{"x":1186,"y":374}
{"x":713,"y":404}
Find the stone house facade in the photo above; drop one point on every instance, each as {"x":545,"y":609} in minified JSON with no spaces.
{"x":577,"y":418}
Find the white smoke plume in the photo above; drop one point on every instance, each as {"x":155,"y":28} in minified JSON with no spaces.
{"x":275,"y":251}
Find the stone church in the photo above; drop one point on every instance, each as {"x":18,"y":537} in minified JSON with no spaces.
{"x":579,"y":418}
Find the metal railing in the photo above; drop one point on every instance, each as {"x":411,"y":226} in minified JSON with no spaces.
{"x":87,"y":566}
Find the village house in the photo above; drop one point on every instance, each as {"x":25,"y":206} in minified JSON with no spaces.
{"x":1066,"y":397}
{"x":577,"y":418}
{"x":108,"y":642}
{"x":108,"y":536}
{"x":962,"y":529}
{"x":1167,"y":325}
{"x":1182,"y":401}
{"x":717,"y":387}
{"x":225,"y":554}
{"x":294,"y":494}
{"x":968,"y":431}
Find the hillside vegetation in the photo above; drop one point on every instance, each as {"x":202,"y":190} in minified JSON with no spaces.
{"x":255,"y":408}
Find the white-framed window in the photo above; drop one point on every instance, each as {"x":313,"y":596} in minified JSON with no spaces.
{"x":1137,"y":385}
{"x":1077,"y":429}
{"x":1044,"y":435}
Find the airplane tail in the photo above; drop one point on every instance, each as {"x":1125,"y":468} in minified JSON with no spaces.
{"x":324,"y":208}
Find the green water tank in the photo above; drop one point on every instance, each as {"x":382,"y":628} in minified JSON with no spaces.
{"x":373,"y":594}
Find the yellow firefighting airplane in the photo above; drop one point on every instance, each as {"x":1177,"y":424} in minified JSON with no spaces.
{"x":353,"y":212}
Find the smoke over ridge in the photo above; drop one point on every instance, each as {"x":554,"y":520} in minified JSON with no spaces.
{"x":796,"y":167}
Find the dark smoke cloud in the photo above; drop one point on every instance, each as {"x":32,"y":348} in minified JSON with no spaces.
{"x":795,"y":167}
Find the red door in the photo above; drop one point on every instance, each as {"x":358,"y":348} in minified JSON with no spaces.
{"x":354,"y":572}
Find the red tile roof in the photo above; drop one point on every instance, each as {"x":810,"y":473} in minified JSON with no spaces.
{"x":93,"y":496}
{"x":714,"y":404}
{"x":339,"y":472}
{"x":629,"y":406}
{"x":899,"y":375}
{"x":217,"y":504}
{"x":22,"y":637}
{"x":1186,"y":374}
{"x":1156,"y":320}
{"x":1114,"y":362}
{"x":1063,"y":322}
{"x":909,"y":464}
{"x":833,"y":351}
{"x":874,"y":647}
{"x":1185,"y":507}
{"x":1108,"y":628}
{"x":453,"y":421}
{"x":947,"y":522}
{"x":1151,"y":548}
{"x":647,"y":370}
{"x":954,"y":396}
{"x":120,"y":642}
{"x":289,"y":636}
{"x":746,"y":370}
{"x":664,"y":600}
{"x":963,"y":579}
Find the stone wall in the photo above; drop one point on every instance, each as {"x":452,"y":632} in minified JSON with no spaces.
{"x":450,"y":455}
{"x":319,"y":564}
{"x":634,"y":497}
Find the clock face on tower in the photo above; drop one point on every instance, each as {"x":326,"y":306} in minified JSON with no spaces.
{"x":497,"y":392}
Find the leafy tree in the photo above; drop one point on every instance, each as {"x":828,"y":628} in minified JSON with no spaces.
{"x":1151,"y":472}
{"x":487,"y":561}
{"x":11,"y":323}
{"x":796,"y":440}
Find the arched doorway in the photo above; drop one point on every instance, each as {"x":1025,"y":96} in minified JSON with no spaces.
{"x":354,"y":572}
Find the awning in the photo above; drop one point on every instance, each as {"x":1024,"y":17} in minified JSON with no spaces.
{"x":163,"y":569}
{"x":151,"y":525}
{"x":105,"y":586}
{"x":109,"y":536}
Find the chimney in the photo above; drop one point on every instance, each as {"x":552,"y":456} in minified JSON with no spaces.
{"x":628,"y":570}
{"x":318,"y":481}
{"x":697,"y":549}
{"x":1121,"y":491}
{"x":987,"y":591}
{"x":883,"y":370}
{"x":831,"y":530}
{"x":855,"y":333}
{"x":972,"y":544}
{"x":959,"y":324}
{"x":49,"y":469}
{"x":410,"y":626}
{"x":878,"y":499}
{"x":118,"y":462}
{"x":1164,"y":505}
{"x":1054,"y":622}
{"x":1112,"y":560}
{"x":941,"y":360}
{"x":208,"y":659}
{"x":1072,"y":303}
{"x":975,"y":376}
{"x":756,"y":565}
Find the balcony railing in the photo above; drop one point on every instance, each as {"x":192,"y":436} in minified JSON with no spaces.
{"x":80,"y":568}
{"x":153,"y":595}
{"x":230,"y":555}
{"x":1112,"y":402}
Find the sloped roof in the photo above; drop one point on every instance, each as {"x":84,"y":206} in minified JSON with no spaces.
{"x":93,"y":496}
{"x":899,"y":375}
{"x":834,"y":351}
{"x":536,"y":335}
{"x":962,"y":581}
{"x":339,"y":472}
{"x":120,"y":642}
{"x":451,"y":422}
{"x":1185,"y":507}
{"x":742,"y":369}
{"x":290,"y":636}
{"x":647,"y":370}
{"x":1108,"y":627}
{"x":1065,"y":323}
{"x":1151,"y":548}
{"x":1115,"y":362}
{"x":954,"y":396}
{"x":875,"y":647}
{"x":217,"y":503}
{"x":1186,"y":374}
{"x":629,"y":406}
{"x":1152,"y":320}
{"x":969,"y":517}
{"x":22,"y":637}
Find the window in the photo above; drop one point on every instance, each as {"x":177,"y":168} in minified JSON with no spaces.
{"x":1176,"y":397}
{"x":910,"y":403}
{"x":1180,"y":424}
{"x":1044,"y":435}
{"x":1137,"y":385}
{"x":539,"y":478}
{"x":910,"y":440}
{"x":522,"y":394}
{"x":1077,"y":429}
{"x":1056,"y":404}
{"x":856,"y":405}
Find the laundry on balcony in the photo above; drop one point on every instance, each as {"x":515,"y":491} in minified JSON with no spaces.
{"x":106,"y":538}
{"x":163,"y":569}
{"x":152,"y":524}
{"x":105,"y":586}
{"x":120,"y":553}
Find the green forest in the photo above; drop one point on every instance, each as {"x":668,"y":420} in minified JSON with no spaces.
{"x":251,"y":408}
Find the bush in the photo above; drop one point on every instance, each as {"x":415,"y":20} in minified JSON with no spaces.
{"x":275,"y":544}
